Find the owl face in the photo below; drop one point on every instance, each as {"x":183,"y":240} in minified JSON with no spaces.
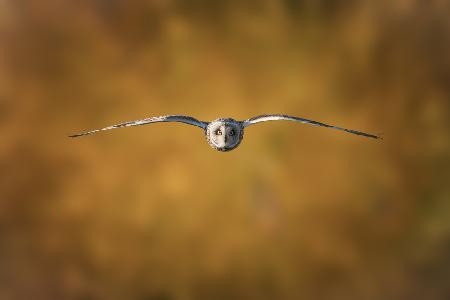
{"x":224,"y":134}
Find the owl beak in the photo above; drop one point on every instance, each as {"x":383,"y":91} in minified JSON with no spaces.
{"x":224,"y":132}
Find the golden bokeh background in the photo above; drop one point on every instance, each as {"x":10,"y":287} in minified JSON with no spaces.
{"x":296,"y":212}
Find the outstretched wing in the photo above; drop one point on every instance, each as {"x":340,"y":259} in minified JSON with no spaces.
{"x":264,"y":118}
{"x":172,"y":118}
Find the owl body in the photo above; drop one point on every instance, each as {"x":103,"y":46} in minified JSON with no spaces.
{"x":224,"y":134}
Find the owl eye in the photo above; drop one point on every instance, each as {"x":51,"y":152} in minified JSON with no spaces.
{"x":231,"y":132}
{"x":219,"y":132}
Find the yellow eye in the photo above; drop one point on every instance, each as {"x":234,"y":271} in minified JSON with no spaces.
{"x":219,"y":132}
{"x":231,"y":132}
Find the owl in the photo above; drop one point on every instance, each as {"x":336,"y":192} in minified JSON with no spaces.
{"x":224,"y":134}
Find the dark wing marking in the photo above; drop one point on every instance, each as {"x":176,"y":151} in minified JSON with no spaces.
{"x":173,"y":118}
{"x":264,"y":118}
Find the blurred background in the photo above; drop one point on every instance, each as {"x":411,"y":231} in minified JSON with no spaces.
{"x":296,"y":212}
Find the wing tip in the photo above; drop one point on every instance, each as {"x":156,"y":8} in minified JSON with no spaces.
{"x":78,"y":135}
{"x":377,"y":136}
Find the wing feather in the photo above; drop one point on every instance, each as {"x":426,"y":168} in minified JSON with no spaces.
{"x":276,"y":117}
{"x":171,"y":118}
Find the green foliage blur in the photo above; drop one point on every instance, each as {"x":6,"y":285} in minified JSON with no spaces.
{"x":296,"y":212}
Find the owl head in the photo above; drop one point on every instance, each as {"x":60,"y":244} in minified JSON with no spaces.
{"x":224,"y":134}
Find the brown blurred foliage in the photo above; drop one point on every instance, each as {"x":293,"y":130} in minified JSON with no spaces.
{"x":296,"y":212}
